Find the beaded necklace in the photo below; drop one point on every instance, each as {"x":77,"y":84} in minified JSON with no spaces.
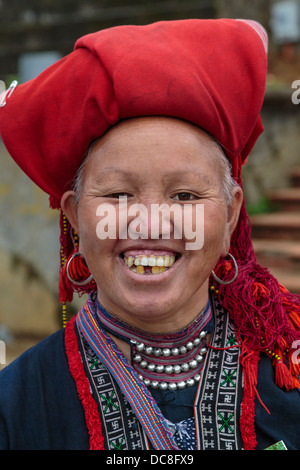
{"x":164,"y":361}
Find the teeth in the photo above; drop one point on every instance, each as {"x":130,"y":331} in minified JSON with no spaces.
{"x":167,"y":261}
{"x":158,"y":264}
{"x":160,"y":261}
{"x":152,"y":261}
{"x":142,"y":260}
{"x":155,"y":270}
{"x":129,"y":261}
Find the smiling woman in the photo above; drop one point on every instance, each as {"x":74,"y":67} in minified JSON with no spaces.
{"x":168,"y":158}
{"x":184,"y":342}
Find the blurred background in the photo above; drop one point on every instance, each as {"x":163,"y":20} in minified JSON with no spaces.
{"x":36,"y":33}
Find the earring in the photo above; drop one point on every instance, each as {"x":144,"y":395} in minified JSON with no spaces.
{"x":77,"y":283}
{"x":220,"y":281}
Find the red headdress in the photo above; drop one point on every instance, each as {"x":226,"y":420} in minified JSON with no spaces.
{"x":208,"y":72}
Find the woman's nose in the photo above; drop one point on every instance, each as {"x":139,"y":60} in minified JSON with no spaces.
{"x":150,"y":221}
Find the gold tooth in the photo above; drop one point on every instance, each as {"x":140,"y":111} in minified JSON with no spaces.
{"x":140,"y":269}
{"x":155,"y":269}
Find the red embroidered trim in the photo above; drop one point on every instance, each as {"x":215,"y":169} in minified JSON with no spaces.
{"x":83,"y":388}
{"x":247,"y":420}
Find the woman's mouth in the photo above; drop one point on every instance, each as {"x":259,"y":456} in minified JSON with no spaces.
{"x":149,"y":263}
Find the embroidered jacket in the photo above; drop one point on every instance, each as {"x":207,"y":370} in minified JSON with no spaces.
{"x":49,"y":400}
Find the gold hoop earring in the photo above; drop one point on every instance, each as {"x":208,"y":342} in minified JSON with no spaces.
{"x":225,"y":283}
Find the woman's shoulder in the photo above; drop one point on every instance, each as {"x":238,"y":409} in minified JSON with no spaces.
{"x":39,"y":404}
{"x":40,"y":359}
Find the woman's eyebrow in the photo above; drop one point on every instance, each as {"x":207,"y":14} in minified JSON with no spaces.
{"x":109,"y":170}
{"x":189,"y":172}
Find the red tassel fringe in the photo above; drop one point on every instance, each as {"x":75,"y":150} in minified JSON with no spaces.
{"x":92,"y":417}
{"x":247,"y":421}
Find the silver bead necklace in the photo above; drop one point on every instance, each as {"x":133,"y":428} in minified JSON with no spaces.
{"x":170,"y":368}
{"x":164,"y":361}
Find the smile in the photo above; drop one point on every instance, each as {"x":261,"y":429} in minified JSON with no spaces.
{"x":152,"y":264}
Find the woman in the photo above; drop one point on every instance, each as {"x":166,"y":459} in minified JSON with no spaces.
{"x":184,"y":342}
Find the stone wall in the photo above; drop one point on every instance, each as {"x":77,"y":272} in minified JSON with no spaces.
{"x":277,"y":149}
{"x":28,"y":254}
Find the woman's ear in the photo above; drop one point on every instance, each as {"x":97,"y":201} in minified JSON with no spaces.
{"x":70,"y":209}
{"x":233,"y":217}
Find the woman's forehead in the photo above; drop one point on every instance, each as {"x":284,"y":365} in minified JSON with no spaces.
{"x":159,"y":127}
{"x":172,"y":145}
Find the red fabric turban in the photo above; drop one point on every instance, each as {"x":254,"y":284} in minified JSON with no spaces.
{"x":209,"y":72}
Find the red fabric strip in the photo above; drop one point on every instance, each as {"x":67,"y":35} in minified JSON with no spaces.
{"x":247,"y":420}
{"x":89,"y":405}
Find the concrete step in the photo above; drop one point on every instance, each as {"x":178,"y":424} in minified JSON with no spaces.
{"x":288,"y":278}
{"x":276,"y":226}
{"x":278,"y":254}
{"x":286,"y":199}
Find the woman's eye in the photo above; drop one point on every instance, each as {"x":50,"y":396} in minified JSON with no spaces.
{"x":185,"y":197}
{"x":118,"y":195}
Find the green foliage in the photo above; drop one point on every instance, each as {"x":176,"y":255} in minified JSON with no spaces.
{"x":261,"y":207}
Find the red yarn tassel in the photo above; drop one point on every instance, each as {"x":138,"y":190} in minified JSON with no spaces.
{"x":65,"y":289}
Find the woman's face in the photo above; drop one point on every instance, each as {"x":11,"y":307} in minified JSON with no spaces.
{"x":150,"y":162}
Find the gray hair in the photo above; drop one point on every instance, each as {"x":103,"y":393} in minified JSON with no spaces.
{"x":79,"y":177}
{"x":229,"y":183}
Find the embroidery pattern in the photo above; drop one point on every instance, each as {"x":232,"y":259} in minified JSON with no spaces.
{"x":121,"y":429}
{"x":219,"y":394}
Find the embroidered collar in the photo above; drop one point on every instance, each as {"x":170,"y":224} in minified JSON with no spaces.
{"x":166,"y":361}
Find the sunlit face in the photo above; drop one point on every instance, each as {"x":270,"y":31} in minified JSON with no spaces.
{"x":153,"y":161}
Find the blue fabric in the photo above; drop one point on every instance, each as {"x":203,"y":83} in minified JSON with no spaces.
{"x":176,"y":405}
{"x":185,"y":434}
{"x":40,"y":408}
{"x":283,"y":422}
{"x":178,"y":408}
